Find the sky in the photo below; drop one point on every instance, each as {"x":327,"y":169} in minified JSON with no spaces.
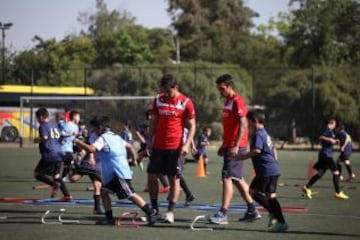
{"x":58,"y":18}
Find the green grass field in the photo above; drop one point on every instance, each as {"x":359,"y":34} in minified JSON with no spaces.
{"x":327,"y":218}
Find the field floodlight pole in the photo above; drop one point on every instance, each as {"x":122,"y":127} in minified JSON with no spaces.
{"x":3,"y":27}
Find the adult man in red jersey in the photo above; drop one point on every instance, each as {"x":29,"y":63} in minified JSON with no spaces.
{"x":172,"y":112}
{"x":235,"y":142}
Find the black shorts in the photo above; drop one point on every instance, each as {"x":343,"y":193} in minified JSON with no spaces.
{"x":49,"y":167}
{"x":68,"y":158}
{"x":264,"y":185}
{"x":121,"y":187}
{"x":92,"y":173}
{"x":166,"y":162}
{"x":232,"y":168}
{"x":325,"y":163}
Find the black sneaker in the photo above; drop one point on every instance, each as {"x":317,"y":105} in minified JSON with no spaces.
{"x":250,"y":216}
{"x":106,"y":221}
{"x":189,"y":199}
{"x":152,"y":218}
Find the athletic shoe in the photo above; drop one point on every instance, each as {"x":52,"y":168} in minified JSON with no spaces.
{"x":279,"y":227}
{"x":341,"y":195}
{"x":189,"y":199}
{"x":65,"y":198}
{"x":250,"y":216}
{"x":272,"y":221}
{"x":307,"y":192}
{"x":106,"y":221}
{"x":54,"y":190}
{"x":164,"y":189}
{"x":169,"y":217}
{"x":152,"y":218}
{"x":219,"y":218}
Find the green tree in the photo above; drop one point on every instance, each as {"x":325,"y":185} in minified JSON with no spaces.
{"x":322,"y":33}
{"x":214,"y":31}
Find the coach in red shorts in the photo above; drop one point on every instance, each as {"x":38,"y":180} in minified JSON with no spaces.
{"x":172,"y":112}
{"x":235,"y":142}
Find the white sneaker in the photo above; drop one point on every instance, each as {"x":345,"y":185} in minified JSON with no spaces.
{"x":169,"y":217}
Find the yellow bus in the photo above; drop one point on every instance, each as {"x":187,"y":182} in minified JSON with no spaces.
{"x":10,"y":119}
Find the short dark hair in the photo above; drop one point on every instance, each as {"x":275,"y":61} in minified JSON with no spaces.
{"x":42,"y":112}
{"x":168,"y":80}
{"x":103,"y":121}
{"x":226,"y":79}
{"x":73,"y":113}
{"x":256,"y":115}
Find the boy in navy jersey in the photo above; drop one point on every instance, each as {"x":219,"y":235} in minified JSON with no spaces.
{"x":50,"y":166}
{"x":345,"y":151}
{"x":326,"y":161}
{"x":267,"y":170}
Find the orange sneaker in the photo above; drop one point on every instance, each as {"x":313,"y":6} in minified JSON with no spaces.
{"x":164,"y":189}
{"x":65,"y":198}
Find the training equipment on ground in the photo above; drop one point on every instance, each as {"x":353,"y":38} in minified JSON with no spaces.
{"x":40,"y":187}
{"x":59,"y":219}
{"x":120,"y":221}
{"x":200,"y":228}
{"x":200,"y":171}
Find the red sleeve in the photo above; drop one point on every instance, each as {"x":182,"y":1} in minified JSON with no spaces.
{"x":240,"y":107}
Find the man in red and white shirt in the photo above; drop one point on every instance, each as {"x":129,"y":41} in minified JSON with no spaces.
{"x":172,"y":112}
{"x":235,"y":142}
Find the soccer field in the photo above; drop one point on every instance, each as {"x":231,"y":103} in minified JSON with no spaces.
{"x":323,"y":217}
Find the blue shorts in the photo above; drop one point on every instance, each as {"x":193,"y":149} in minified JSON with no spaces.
{"x":344,"y":156}
{"x":166,"y":162}
{"x":121,"y":187}
{"x":232,"y":168}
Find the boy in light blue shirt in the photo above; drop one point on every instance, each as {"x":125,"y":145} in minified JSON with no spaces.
{"x":112,"y":150}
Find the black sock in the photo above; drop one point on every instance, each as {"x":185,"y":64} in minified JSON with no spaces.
{"x":250,"y":207}
{"x":109,"y":214}
{"x":313,"y":180}
{"x":276,"y":210}
{"x":147,"y":209}
{"x":336,"y":180}
{"x":263,"y":201}
{"x":223,"y":210}
{"x":63,"y":188}
{"x":154,"y":204}
{"x":97,"y":202}
{"x":184,"y":186}
{"x":349,"y":169}
{"x":171,"y":206}
{"x":339,"y":168}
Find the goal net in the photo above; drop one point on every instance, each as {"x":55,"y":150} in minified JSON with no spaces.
{"x":119,"y":108}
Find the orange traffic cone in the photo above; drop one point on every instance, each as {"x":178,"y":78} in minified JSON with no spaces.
{"x":200,"y":172}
